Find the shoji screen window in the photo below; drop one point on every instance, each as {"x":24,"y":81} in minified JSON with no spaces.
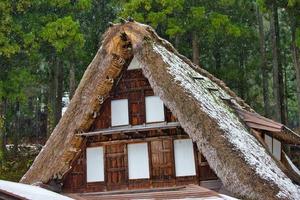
{"x":277,"y":149}
{"x":184,"y":158}
{"x":274,"y":146}
{"x":119,"y":112}
{"x":154,"y":109}
{"x":138,"y":161}
{"x":94,"y":164}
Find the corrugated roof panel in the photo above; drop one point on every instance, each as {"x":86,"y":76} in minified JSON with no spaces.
{"x":256,"y":121}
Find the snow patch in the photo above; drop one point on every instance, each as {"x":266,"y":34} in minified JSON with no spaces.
{"x":30,"y":192}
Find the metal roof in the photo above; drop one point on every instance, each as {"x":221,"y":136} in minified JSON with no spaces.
{"x":256,"y":121}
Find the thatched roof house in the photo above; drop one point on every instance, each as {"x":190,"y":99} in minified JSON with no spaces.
{"x":226,"y":130}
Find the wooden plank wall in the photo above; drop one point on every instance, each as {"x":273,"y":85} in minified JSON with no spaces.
{"x":135,"y":87}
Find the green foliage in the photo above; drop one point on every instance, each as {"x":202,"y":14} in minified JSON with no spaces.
{"x":17,"y":163}
{"x":2,"y":122}
{"x":84,"y":4}
{"x":8,"y":46}
{"x":222,"y":23}
{"x":59,"y":3}
{"x":262,"y":5}
{"x":18,"y":82}
{"x":22,"y":5}
{"x":197,"y":15}
{"x":298,"y":37}
{"x":157,"y":13}
{"x":1,"y":89}
{"x":31,"y":43}
{"x":292,"y":3}
{"x":174,"y":28}
{"x":63,"y":33}
{"x":227,"y":2}
{"x":219,"y":20}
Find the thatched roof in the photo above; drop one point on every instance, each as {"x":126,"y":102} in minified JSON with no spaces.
{"x":205,"y":107}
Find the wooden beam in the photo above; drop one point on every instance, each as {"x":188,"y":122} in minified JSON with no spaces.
{"x":136,"y":140}
{"x":127,"y":129}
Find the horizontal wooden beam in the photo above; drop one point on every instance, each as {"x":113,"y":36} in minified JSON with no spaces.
{"x":128,"y":129}
{"x":136,"y":140}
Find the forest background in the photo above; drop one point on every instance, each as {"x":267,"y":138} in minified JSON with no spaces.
{"x":45,"y":46}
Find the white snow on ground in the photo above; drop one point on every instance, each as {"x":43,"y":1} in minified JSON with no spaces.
{"x":30,"y":146}
{"x":66,"y":102}
{"x":30,"y":192}
{"x":254,"y":154}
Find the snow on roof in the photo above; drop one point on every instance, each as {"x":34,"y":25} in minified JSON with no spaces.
{"x":209,"y":96}
{"x":29,"y":192}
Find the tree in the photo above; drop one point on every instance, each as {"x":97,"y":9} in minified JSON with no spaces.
{"x":264,"y":67}
{"x":278,"y":85}
{"x":37,"y":39}
{"x":65,"y":39}
{"x":293,"y":9}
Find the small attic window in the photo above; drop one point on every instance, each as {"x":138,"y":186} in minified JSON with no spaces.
{"x":119,"y":112}
{"x":94,"y":164}
{"x":134,"y":64}
{"x":274,"y":146}
{"x":154,"y":109}
{"x":184,"y":158}
{"x":277,"y":149}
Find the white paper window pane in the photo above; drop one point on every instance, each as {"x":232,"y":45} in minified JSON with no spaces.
{"x":276,"y":149}
{"x":119,"y":112}
{"x":154,"y":109}
{"x":94,"y":164}
{"x":135,"y":64}
{"x":184,"y":158}
{"x":268,"y":141}
{"x":138,"y":161}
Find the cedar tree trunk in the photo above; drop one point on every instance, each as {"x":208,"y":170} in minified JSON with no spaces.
{"x":264,"y":66}
{"x":277,"y":66}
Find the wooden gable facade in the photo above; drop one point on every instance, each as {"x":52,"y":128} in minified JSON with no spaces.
{"x":159,"y":137}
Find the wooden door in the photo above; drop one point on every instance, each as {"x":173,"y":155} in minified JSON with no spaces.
{"x":75,"y":180}
{"x":116,"y":167}
{"x":162,"y":171}
{"x":205,"y":172}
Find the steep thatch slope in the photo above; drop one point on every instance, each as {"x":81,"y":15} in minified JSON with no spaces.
{"x":202,"y":103}
{"x":240,"y":161}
